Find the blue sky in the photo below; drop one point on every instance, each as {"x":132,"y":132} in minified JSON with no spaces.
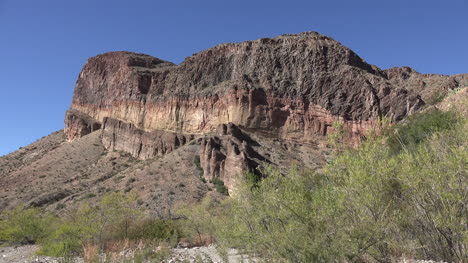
{"x":44,"y":44}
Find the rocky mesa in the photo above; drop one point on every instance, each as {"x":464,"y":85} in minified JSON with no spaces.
{"x":292,"y":87}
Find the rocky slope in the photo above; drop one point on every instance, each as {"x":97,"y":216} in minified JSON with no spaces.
{"x":59,"y":175}
{"x":138,"y":122}
{"x":431,"y":87}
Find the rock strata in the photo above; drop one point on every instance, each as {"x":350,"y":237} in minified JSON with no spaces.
{"x":124,"y":136}
{"x":228,"y":155}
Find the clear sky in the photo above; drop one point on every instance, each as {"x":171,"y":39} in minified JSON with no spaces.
{"x":44,"y":44}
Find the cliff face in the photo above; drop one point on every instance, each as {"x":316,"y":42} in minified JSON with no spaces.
{"x":291,"y":87}
{"x":431,"y":87}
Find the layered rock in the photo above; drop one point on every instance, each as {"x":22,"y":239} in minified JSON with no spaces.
{"x":228,"y":155}
{"x":123,"y":136}
{"x":431,"y":87}
{"x":78,"y":124}
{"x":292,"y":87}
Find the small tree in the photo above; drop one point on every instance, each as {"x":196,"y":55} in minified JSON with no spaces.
{"x":199,"y":219}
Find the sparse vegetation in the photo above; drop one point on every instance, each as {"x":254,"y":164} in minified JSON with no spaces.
{"x":436,"y":98}
{"x":219,"y":186}
{"x":131,"y":180}
{"x":196,"y":161}
{"x":199,"y":224}
{"x":92,"y":227}
{"x":119,"y":178}
{"x":89,"y":195}
{"x":60,"y":206}
{"x":337,"y":136}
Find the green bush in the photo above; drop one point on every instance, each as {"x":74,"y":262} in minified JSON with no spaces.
{"x":371,"y":203}
{"x":25,"y":225}
{"x":66,"y":241}
{"x":112,"y":218}
{"x":159,"y":230}
{"x":436,"y":204}
{"x":289,"y":218}
{"x":197,"y":222}
{"x":219,"y":186}
{"x":419,"y":127}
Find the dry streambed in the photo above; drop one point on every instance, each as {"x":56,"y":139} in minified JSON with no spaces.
{"x":23,"y":254}
{"x":26,"y":254}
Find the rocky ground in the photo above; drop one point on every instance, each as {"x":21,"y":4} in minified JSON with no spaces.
{"x":26,"y":254}
{"x":23,"y":254}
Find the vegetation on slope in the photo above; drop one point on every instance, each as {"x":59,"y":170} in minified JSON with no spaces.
{"x":402,"y":194}
{"x":379,"y":202}
{"x":112,"y":223}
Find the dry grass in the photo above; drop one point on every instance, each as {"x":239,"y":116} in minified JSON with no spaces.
{"x":91,"y":252}
{"x":125,"y":250}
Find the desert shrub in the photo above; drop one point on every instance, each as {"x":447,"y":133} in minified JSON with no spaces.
{"x":251,"y":179}
{"x":117,"y":214}
{"x":66,"y":241}
{"x":95,"y":225}
{"x":284,"y":218}
{"x":365,"y":179}
{"x":419,"y":127}
{"x":369,"y":203}
{"x":412,"y":203}
{"x":89,"y":195}
{"x":112,"y":218}
{"x":336,"y":138}
{"x":436,"y":98}
{"x":436,"y":205}
{"x":157,"y":230}
{"x":197,"y":223}
{"x":219,"y":186}
{"x":25,"y":225}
